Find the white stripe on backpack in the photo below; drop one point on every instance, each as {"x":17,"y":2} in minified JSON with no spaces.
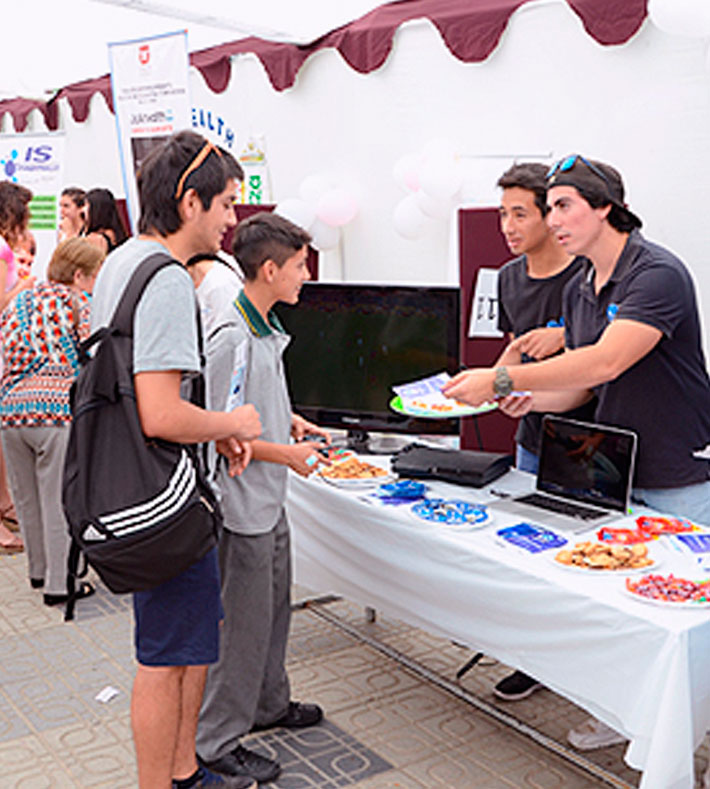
{"x":170,"y":500}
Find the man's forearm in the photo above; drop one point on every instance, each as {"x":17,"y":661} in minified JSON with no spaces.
{"x":186,"y":423}
{"x":582,"y":369}
{"x":557,"y":402}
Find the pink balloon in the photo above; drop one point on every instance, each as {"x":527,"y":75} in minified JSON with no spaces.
{"x":336,"y":207}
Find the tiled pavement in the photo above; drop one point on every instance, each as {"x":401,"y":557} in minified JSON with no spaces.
{"x":386,"y":725}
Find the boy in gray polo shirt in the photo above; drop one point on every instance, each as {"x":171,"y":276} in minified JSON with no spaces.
{"x":248,"y":688}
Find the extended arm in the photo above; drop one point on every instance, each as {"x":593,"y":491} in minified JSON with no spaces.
{"x":302,"y":456}
{"x":621,"y":345}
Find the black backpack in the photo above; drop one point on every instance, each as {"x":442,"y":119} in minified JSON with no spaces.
{"x":138,"y":509}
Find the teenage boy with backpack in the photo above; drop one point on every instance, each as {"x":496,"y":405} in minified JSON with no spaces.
{"x":187,"y":187}
{"x":248,"y":688}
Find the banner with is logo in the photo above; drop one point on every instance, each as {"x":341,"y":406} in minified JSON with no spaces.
{"x":37,"y":162}
{"x":151,"y":100}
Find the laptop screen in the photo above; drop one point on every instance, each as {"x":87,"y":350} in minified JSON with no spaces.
{"x":590,"y":463}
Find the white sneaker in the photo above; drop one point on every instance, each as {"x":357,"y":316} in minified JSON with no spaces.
{"x":594,"y":734}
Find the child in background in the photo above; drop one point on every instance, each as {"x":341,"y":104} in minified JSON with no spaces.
{"x":25,"y":252}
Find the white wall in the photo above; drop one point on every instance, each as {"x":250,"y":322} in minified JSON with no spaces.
{"x":548,"y":87}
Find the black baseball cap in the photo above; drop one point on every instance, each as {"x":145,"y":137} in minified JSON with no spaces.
{"x":594,"y":180}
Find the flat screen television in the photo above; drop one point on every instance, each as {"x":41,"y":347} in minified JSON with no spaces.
{"x":350,"y":343}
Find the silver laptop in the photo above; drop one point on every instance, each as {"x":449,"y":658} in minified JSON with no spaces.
{"x":584,"y":478}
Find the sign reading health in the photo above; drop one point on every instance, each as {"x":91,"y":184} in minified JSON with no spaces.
{"x":149,"y":80}
{"x":37,"y":162}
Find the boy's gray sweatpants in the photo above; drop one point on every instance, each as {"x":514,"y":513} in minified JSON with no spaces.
{"x":249,"y":685}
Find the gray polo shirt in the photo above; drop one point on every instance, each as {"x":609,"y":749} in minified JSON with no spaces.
{"x":245,"y":365}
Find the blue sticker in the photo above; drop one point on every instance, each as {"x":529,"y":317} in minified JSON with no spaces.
{"x":611,"y":311}
{"x":531,"y":538}
{"x":556,"y":324}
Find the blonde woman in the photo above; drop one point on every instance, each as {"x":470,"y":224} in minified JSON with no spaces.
{"x":41,"y":330}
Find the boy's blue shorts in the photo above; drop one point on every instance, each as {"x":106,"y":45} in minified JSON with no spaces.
{"x":177,"y":623}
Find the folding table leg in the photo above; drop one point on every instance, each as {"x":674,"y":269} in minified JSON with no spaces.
{"x":469,"y":665}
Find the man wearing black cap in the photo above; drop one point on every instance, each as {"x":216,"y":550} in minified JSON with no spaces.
{"x":632,"y":333}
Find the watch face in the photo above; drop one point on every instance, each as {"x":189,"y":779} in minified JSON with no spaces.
{"x":503,"y":384}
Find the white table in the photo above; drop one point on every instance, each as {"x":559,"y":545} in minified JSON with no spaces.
{"x":640,"y":668}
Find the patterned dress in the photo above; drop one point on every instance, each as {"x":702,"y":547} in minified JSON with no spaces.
{"x":40,"y":334}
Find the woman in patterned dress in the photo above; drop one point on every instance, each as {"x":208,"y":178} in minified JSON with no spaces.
{"x":41,"y":330}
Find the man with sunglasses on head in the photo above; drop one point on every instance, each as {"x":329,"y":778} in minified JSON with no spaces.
{"x":633,"y":338}
{"x":187,"y":189}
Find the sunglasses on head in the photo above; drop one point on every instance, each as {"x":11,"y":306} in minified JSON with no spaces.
{"x":202,"y":154}
{"x":569,"y":162}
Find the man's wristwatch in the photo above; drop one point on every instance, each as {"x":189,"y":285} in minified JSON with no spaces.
{"x":502,"y":383}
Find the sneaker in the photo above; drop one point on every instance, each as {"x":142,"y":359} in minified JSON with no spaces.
{"x":206,"y":778}
{"x":298,"y":716}
{"x":516,"y":686}
{"x":593,"y":734}
{"x":243,"y":762}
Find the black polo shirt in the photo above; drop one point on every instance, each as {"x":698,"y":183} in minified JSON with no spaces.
{"x":665,"y":396}
{"x":526,"y":303}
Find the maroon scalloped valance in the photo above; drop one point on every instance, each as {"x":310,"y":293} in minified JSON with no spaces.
{"x":470,"y":29}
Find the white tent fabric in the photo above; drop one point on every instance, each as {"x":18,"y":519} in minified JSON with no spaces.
{"x":49,"y":44}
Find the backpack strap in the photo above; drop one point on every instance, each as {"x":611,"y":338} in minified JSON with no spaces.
{"x":122,"y":320}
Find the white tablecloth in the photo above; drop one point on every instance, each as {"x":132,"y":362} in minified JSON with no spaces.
{"x":639,"y":667}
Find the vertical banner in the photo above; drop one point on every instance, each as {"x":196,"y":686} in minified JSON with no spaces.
{"x":484,"y":305}
{"x":37,"y":162}
{"x":256,"y":187}
{"x":151,"y":100}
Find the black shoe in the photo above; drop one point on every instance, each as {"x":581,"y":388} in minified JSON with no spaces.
{"x":243,"y":762}
{"x":516,"y":686}
{"x":36,"y":583}
{"x":298,"y":716}
{"x":206,"y":778}
{"x":85,"y":590}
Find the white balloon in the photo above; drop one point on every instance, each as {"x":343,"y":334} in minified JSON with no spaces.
{"x":409,"y":221}
{"x":313,"y":187}
{"x":405,"y":171}
{"x":681,"y":17}
{"x":436,"y":209}
{"x":297,"y":211}
{"x":440,"y":177}
{"x":324,"y":236}
{"x":336,"y":207}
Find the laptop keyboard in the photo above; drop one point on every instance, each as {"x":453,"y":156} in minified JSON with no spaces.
{"x":563,"y":507}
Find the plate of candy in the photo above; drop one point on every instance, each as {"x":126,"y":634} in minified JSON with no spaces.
{"x":670,"y":591}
